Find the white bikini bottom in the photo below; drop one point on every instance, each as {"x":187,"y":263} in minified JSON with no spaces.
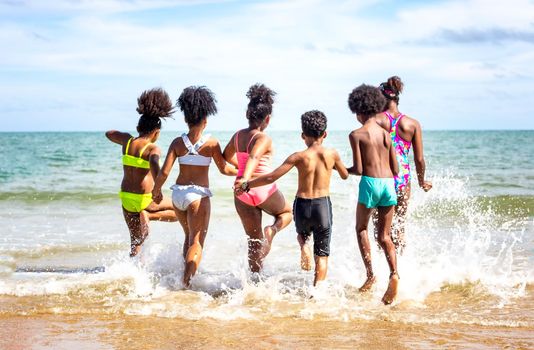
{"x":184,"y":195}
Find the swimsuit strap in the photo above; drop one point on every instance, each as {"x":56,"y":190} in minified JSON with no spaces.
{"x":236,"y":141}
{"x":252,"y":138}
{"x":128,"y":145}
{"x":143,"y":149}
{"x":193,"y":149}
{"x":394,"y":121}
{"x":391,"y":120}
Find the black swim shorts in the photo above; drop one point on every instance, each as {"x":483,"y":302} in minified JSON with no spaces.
{"x":314,"y":216}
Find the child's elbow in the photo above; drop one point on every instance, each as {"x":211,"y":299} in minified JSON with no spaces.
{"x":163,"y":173}
{"x":228,"y":170}
{"x":419,"y":161}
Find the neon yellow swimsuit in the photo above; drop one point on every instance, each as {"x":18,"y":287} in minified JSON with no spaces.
{"x":135,"y":202}
{"x":136,"y":162}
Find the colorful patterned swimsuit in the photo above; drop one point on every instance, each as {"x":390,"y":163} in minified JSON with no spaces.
{"x":402,"y":149}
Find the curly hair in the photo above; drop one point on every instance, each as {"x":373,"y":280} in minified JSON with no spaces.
{"x":313,"y":123}
{"x":261,"y":102}
{"x":197,"y":103}
{"x":392,"y":88}
{"x":153,"y":105}
{"x":366,"y":100}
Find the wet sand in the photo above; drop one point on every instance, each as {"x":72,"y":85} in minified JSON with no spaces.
{"x":137,"y":332}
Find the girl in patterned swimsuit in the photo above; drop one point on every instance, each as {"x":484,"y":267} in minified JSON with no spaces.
{"x":405,"y":132}
{"x":253,"y":150}
{"x":191,"y":194}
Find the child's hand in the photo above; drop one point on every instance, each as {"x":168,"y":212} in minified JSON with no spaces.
{"x":239,"y":189}
{"x":157,"y":197}
{"x":426,"y":186}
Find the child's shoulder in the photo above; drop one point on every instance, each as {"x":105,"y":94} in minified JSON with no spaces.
{"x":358,"y":133}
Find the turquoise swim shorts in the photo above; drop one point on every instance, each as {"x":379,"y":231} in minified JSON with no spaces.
{"x":377,"y":192}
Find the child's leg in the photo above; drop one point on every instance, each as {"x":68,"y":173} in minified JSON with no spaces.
{"x":321,"y":267}
{"x":138,"y":227}
{"x":182,"y":219}
{"x":198,"y":217}
{"x":362,"y":221}
{"x":251,"y":219}
{"x":305,"y":252}
{"x":164,"y":211}
{"x":385,"y":216}
{"x":277,"y":206}
{"x":400,"y":220}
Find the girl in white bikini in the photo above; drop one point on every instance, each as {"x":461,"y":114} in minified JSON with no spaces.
{"x":191,"y":194}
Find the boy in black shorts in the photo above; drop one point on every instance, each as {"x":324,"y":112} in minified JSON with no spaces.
{"x":312,"y":209}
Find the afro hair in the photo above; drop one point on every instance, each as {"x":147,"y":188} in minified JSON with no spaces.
{"x":313,"y":123}
{"x":197,"y":103}
{"x":366,"y":100}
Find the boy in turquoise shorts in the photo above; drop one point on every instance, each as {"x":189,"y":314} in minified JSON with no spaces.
{"x":374,"y":158}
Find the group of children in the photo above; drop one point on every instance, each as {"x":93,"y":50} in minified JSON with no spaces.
{"x":248,"y":155}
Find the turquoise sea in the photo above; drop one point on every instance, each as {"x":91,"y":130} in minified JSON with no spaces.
{"x":469,"y":259}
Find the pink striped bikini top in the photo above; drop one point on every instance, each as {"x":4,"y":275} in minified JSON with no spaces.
{"x":264,"y":166}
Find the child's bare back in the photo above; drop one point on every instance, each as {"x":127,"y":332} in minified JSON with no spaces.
{"x":372,"y":151}
{"x":314,"y":167}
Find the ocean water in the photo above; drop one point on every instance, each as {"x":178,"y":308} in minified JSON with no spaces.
{"x":468,"y":263}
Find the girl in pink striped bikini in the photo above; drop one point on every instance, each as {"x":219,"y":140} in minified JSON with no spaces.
{"x":405,"y":132}
{"x":253,"y":149}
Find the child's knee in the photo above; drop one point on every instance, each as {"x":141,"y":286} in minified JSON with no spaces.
{"x":384,"y":240}
{"x":361,"y":229}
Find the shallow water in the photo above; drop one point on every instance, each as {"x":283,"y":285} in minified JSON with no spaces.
{"x":466,"y":275}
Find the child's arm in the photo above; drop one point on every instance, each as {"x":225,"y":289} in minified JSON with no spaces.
{"x":266,"y":179}
{"x":357,"y":167}
{"x":224,"y":167}
{"x":118,"y":137}
{"x":340,"y":167}
{"x":419,"y":159}
{"x":163,"y":173}
{"x":393,"y":163}
{"x":261,"y":145}
{"x":229,"y":152}
{"x":153,"y":159}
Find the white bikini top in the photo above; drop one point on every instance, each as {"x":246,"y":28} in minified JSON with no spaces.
{"x":193,"y":158}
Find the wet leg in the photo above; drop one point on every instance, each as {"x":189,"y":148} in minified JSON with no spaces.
{"x":251,"y":219}
{"x":182,"y":219}
{"x":399,"y":220}
{"x":198,"y":217}
{"x":305,"y":252}
{"x":277,"y":206}
{"x":362,"y":221}
{"x":385,"y":216}
{"x":138,"y":226}
{"x":321,"y":267}
{"x":164,"y":211}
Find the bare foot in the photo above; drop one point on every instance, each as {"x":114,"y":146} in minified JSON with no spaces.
{"x":305,"y":254}
{"x":368,"y":284}
{"x":391,"y":292}
{"x":268,"y":234}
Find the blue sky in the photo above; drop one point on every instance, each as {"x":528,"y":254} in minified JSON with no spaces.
{"x":80,"y":64}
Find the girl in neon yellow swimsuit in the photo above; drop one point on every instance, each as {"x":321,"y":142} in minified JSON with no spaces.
{"x":140,"y":161}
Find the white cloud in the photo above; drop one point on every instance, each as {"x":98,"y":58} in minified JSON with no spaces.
{"x":306,"y":50}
